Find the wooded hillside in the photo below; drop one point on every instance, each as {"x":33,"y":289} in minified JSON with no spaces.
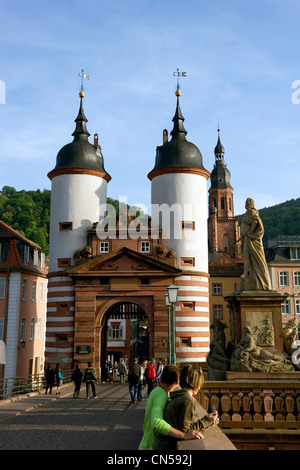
{"x":29,"y":213}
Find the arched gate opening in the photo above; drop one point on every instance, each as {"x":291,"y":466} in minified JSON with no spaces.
{"x":124,"y":334}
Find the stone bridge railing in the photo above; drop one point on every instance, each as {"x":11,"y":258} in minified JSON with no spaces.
{"x":253,"y":404}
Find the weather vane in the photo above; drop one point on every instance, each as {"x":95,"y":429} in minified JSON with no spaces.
{"x":83,"y":75}
{"x":179,"y":74}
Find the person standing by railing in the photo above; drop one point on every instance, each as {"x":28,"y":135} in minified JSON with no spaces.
{"x":59,"y":378}
{"x":50,"y":375}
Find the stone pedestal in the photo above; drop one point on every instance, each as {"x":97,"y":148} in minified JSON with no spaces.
{"x":262,"y":311}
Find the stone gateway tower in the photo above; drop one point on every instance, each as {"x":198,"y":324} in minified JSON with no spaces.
{"x":78,"y":187}
{"x":179,"y":208}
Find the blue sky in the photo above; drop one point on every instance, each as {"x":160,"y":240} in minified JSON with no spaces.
{"x":240,"y":59}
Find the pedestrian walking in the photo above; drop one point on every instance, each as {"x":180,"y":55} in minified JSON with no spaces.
{"x":134,"y":377}
{"x":151,"y":376}
{"x":105,"y":372}
{"x":142,"y":382}
{"x":90,"y":380}
{"x":122,"y":371}
{"x":50,"y":378}
{"x":159,"y":370}
{"x":77,"y":379}
{"x":59,"y":378}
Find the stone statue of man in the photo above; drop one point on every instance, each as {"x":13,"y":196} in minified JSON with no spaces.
{"x":256,"y":274}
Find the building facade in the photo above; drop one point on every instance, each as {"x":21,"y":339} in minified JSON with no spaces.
{"x":283,"y":259}
{"x":23,"y":293}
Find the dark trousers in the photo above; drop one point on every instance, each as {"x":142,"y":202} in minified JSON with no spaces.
{"x":88,"y":385}
{"x":133,"y":390}
{"x":77,"y":390}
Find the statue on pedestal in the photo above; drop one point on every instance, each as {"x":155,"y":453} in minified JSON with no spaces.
{"x":256,"y":274}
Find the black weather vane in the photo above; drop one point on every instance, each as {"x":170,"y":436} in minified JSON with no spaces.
{"x":179,"y":74}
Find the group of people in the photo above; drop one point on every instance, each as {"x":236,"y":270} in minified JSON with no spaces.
{"x":54,"y":376}
{"x":170,"y":409}
{"x":140,"y":375}
{"x":89,"y":377}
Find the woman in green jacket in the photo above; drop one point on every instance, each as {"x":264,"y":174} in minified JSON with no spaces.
{"x":179,"y":412}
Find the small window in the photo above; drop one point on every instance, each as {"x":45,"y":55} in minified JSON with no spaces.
{"x":145,"y":281}
{"x":23,"y":329}
{"x":187,"y":225}
{"x":32,"y":325}
{"x":35,"y":257}
{"x":145,"y":247}
{"x":217,"y":289}
{"x":62,"y":338}
{"x":42,"y":261}
{"x":218,"y":311}
{"x":1,"y":329}
{"x":104,"y":281}
{"x":285,"y":307}
{"x":64,"y":263}
{"x":24,"y":289}
{"x":187,"y":305}
{"x":185,"y":342}
{"x":297,"y":307}
{"x":2,"y":287}
{"x":65,"y":226}
{"x":41,"y":292}
{"x":187,"y":261}
{"x":62,"y":307}
{"x":33,"y":297}
{"x":283,"y":278}
{"x":297,"y":279}
{"x":104,"y":247}
{"x":26,"y":254}
{"x":40,"y":322}
{"x":295,"y":253}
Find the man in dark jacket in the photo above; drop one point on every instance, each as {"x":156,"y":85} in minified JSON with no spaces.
{"x":90,"y":379}
{"x":77,"y":379}
{"x":134,"y":377}
{"x":50,"y":375}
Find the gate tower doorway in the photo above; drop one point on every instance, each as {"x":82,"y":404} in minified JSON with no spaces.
{"x":124,"y":333}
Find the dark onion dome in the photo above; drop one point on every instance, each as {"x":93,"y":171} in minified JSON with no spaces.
{"x":80,"y":156}
{"x":220,"y":176}
{"x":178,"y":154}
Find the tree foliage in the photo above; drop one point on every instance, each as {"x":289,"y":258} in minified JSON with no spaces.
{"x":28,"y":212}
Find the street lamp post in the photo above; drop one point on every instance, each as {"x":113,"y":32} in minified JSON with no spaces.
{"x":169,"y":327}
{"x":172,"y":294}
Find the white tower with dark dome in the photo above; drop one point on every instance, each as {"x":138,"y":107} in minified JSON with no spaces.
{"x":179,"y":185}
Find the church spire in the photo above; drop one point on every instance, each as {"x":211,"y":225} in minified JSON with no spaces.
{"x":219,"y":149}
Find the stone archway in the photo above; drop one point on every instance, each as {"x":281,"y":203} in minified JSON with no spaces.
{"x":122,"y":312}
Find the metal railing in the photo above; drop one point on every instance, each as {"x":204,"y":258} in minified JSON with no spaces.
{"x":11,"y":387}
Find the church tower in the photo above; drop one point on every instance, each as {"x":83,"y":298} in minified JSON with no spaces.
{"x":179,"y":209}
{"x":223,"y":227}
{"x":78,"y":188}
